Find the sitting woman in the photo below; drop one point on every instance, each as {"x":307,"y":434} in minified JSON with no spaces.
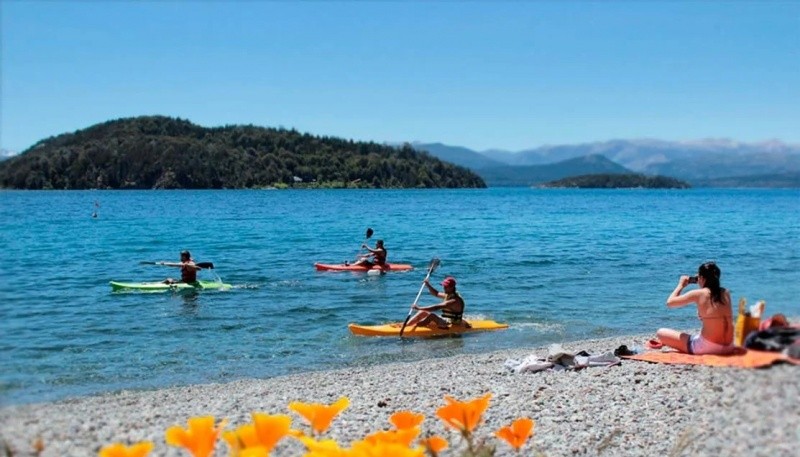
{"x":713,"y":309}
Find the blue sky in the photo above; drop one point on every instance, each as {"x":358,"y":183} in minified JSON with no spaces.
{"x":510,"y":75}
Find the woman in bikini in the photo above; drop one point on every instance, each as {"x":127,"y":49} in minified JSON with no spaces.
{"x":713,"y":309}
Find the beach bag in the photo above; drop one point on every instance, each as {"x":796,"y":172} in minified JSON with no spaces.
{"x":747,"y":320}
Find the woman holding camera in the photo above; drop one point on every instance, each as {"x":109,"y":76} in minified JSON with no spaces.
{"x":713,"y":309}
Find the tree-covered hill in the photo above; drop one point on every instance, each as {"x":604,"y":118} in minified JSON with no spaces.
{"x":616,"y":181}
{"x":156,"y":152}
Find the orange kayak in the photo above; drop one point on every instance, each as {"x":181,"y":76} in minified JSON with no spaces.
{"x":394,"y":329}
{"x":350,"y":267}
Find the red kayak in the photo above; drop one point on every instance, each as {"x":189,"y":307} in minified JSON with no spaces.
{"x":350,"y":267}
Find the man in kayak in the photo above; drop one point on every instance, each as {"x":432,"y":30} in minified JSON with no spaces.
{"x":187,"y":266}
{"x":452,"y":307}
{"x":378,"y":256}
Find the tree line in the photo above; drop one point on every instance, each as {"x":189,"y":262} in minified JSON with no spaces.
{"x":157,"y":152}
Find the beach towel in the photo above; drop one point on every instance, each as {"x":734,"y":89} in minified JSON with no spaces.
{"x":558,"y":359}
{"x":746,"y":358}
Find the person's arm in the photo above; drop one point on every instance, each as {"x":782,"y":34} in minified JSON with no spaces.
{"x":179,"y":264}
{"x":433,"y":290}
{"x":676,"y":299}
{"x":435,"y":307}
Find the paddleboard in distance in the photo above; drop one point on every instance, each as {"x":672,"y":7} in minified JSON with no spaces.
{"x":161,"y":287}
{"x":351,"y":267}
{"x":393,"y":329}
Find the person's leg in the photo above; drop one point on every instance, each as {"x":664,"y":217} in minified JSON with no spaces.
{"x":674,"y":339}
{"x":418,"y":318}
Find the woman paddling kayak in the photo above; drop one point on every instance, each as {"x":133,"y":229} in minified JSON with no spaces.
{"x":188,"y":269}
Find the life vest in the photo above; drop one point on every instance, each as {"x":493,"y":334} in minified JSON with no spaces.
{"x":454,"y":317}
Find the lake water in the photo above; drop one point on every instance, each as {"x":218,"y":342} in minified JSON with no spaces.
{"x":557,"y":265}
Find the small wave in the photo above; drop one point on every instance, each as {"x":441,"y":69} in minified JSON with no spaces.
{"x":541,"y":327}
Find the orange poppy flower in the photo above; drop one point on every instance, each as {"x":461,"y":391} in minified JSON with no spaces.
{"x":382,"y":449}
{"x":243,"y":437}
{"x":271,"y":428}
{"x":405,"y":436}
{"x":518,"y":433}
{"x":435,"y":444}
{"x":199,"y":438}
{"x":324,"y":448}
{"x":463,"y":416}
{"x":140,"y":449}
{"x":318,"y":415}
{"x":406,"y":419}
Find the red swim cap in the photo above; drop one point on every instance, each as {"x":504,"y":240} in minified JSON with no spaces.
{"x":449,"y":281}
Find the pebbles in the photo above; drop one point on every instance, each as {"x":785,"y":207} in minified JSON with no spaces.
{"x":636,"y":408}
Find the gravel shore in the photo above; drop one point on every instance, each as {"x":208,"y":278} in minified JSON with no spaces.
{"x":632,"y":409}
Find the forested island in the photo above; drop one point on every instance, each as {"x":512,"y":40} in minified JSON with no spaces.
{"x":157,"y":152}
{"x":618,"y":181}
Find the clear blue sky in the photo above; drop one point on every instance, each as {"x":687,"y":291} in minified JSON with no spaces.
{"x":510,"y":75}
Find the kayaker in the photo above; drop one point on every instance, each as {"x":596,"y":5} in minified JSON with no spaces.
{"x":713,"y":309}
{"x":452,"y":307}
{"x":187,"y":266}
{"x":378,"y":256}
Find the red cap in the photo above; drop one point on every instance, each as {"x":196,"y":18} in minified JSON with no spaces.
{"x":449,"y":281}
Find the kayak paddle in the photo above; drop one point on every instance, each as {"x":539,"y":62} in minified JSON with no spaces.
{"x":201,"y":265}
{"x":433,"y":265}
{"x":361,"y":248}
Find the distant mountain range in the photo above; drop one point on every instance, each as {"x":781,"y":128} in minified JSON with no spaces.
{"x":5,"y":153}
{"x":719,"y":163}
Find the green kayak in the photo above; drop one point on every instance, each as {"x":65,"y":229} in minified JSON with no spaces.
{"x":161,"y":287}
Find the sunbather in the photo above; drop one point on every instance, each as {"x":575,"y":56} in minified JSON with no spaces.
{"x":713,"y":309}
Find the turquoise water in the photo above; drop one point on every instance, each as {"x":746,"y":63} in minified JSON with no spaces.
{"x":557,"y":265}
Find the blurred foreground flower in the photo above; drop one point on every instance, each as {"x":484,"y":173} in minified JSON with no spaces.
{"x":464,"y":416}
{"x":517,"y":433}
{"x":383,"y":449}
{"x":434,"y":444}
{"x":140,"y":449}
{"x":406,"y":419}
{"x":319,"y":416}
{"x":198,"y":438}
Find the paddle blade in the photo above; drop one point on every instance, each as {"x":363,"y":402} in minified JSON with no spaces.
{"x":403,"y":328}
{"x":369,"y":233}
{"x":205,"y":265}
{"x":433,"y":265}
{"x":145,"y":262}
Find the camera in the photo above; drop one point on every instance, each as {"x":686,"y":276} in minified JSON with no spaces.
{"x":692,"y":279}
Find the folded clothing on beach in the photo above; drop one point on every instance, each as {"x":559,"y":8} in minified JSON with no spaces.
{"x":746,"y":358}
{"x":773,"y":339}
{"x":560,"y":359}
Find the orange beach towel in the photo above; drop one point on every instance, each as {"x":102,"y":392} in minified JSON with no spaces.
{"x":748,"y":358}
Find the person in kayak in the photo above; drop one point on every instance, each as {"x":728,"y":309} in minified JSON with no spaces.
{"x":378,"y":256}
{"x":187,"y":266}
{"x":713,"y":309}
{"x":452,"y":307}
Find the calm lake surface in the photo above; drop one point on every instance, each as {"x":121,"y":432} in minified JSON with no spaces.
{"x":557,"y":265}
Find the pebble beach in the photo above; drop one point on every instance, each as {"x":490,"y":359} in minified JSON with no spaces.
{"x":632,"y":409}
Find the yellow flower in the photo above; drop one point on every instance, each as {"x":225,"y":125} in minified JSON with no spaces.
{"x":463,"y":416}
{"x":271,"y":428}
{"x":140,"y":449}
{"x":383,"y":449}
{"x":518,"y":433}
{"x":434,"y":444}
{"x":198,"y":438}
{"x":324,"y":448}
{"x":404,"y":437}
{"x":319,"y":415}
{"x":256,"y":451}
{"x":243,"y":437}
{"x":406,"y":419}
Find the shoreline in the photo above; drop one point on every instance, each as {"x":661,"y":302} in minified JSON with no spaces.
{"x":636,"y":408}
